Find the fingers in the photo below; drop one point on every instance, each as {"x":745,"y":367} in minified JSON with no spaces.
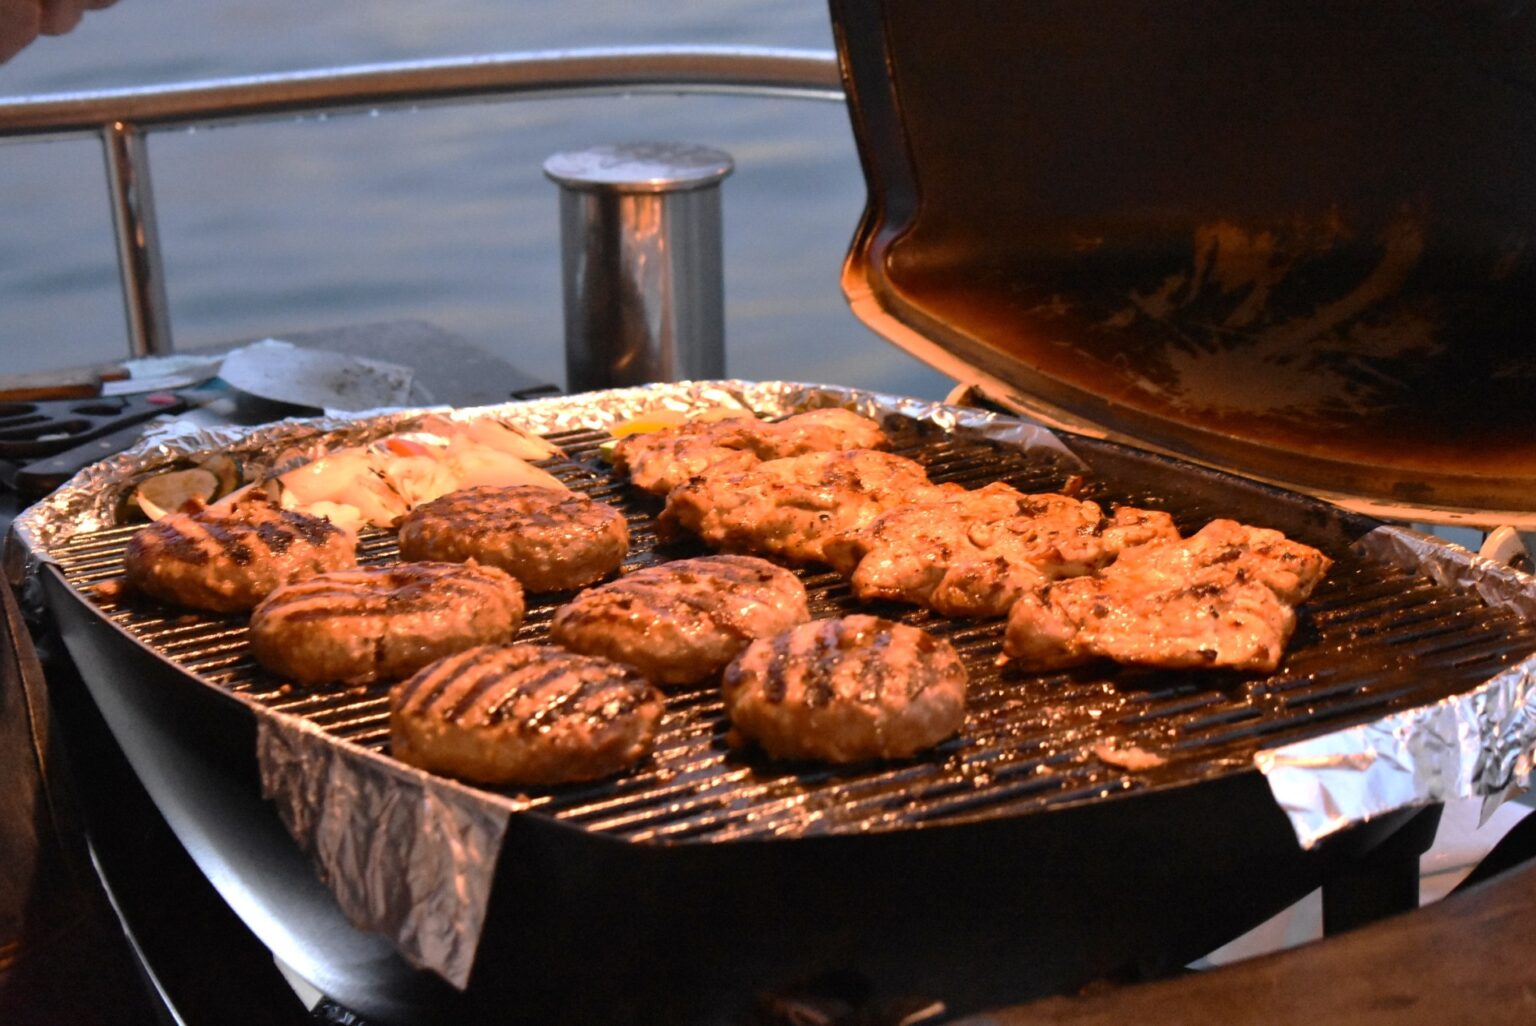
{"x":59,"y":16}
{"x":20,"y":22}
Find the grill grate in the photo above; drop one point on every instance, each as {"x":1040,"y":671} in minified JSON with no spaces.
{"x":1372,"y":639}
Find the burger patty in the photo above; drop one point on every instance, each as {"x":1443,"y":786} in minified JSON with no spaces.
{"x":679,"y":622}
{"x":384,"y":622}
{"x":659,"y":461}
{"x":227,"y":557}
{"x":844,"y":690}
{"x":523,"y":714}
{"x":549,"y":540}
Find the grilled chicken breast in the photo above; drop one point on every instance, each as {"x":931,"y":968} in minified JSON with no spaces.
{"x":523,"y":714}
{"x":825,"y":430}
{"x":1224,"y":597}
{"x":973,"y":553}
{"x":682,"y":621}
{"x":845,"y":690}
{"x":549,"y":540}
{"x":229,"y":556}
{"x":660,"y":461}
{"x":794,"y":507}
{"x":382,"y":622}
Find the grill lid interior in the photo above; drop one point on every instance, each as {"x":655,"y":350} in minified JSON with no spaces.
{"x":1290,"y":242}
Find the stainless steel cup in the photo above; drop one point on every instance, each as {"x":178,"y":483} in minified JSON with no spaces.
{"x":641,"y":263}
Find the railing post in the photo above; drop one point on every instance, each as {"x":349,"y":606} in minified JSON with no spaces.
{"x":138,"y":239}
{"x":641,"y":263}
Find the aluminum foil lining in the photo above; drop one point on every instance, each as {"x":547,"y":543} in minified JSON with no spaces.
{"x":407,"y":854}
{"x":1477,"y":744}
{"x":414,"y":855}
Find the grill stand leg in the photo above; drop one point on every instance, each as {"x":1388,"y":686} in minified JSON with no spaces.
{"x":1383,"y":881}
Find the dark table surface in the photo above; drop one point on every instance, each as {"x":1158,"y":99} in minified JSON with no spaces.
{"x":1461,"y":960}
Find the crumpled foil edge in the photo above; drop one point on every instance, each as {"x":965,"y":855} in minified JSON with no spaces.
{"x":1477,"y":744}
{"x":406,"y":854}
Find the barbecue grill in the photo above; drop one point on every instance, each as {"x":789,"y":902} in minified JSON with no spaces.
{"x":743,"y":871}
{"x":1034,"y":853}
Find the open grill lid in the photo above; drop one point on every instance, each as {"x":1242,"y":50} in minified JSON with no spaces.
{"x":1285,"y":240}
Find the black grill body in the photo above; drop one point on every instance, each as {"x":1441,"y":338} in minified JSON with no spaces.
{"x":1011,"y":862}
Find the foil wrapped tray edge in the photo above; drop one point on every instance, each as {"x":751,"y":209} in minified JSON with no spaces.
{"x":1478,"y":744}
{"x":407,"y":854}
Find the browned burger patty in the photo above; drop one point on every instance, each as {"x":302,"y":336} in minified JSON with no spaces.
{"x":682,"y":621}
{"x":229,"y":556}
{"x":549,"y":540}
{"x":523,"y":714}
{"x":382,"y":622}
{"x":845,"y":690}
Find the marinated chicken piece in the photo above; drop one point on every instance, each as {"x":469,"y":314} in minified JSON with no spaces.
{"x":682,"y":621}
{"x":660,"y":461}
{"x":227,"y":557}
{"x":825,"y":430}
{"x":1260,"y":554}
{"x":1224,"y":597}
{"x":973,"y":553}
{"x":794,"y":507}
{"x":523,"y":714}
{"x":382,"y":622}
{"x":549,"y":540}
{"x":845,"y":690}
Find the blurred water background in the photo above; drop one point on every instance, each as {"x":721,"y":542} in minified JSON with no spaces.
{"x":440,"y":214}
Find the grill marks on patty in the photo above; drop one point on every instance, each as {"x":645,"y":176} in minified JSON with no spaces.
{"x":380,"y":623}
{"x":524,"y":714}
{"x":379,"y":591}
{"x":228,"y":556}
{"x":549,"y":540}
{"x":485,"y":689}
{"x":847,"y":689}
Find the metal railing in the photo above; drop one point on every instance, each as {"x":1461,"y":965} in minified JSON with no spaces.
{"x":123,"y":118}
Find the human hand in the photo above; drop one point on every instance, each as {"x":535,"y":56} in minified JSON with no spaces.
{"x":22,"y":21}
